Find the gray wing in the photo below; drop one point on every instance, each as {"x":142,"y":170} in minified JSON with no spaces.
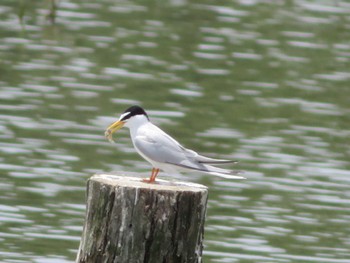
{"x":158,"y":146}
{"x":164,"y":149}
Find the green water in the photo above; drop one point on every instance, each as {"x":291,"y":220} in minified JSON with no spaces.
{"x":263,"y":82}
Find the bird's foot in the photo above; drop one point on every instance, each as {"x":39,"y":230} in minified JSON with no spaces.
{"x":149,"y":181}
{"x":152,"y":179}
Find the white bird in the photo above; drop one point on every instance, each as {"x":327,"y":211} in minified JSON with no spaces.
{"x":161,"y":150}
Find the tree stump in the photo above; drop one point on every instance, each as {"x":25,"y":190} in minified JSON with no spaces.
{"x":129,"y":221}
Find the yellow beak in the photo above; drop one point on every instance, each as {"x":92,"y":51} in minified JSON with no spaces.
{"x":113,"y":128}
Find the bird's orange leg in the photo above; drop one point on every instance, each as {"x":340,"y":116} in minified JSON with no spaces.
{"x":153,"y":177}
{"x":149,"y":180}
{"x":155,"y":172}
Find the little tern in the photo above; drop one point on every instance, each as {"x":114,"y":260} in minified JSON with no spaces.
{"x":161,"y":150}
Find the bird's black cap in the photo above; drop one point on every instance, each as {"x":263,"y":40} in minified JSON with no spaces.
{"x":134,"y":110}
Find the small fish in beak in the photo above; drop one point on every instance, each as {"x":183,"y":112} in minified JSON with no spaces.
{"x":113,"y":128}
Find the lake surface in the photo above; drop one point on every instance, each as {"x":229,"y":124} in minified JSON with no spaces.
{"x":262,"y":82}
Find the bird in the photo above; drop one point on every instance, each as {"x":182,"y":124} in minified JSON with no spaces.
{"x":161,"y":150}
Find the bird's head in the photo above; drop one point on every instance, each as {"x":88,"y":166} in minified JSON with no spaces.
{"x":131,"y":117}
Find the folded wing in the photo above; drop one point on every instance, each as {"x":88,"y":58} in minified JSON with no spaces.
{"x":164,"y":149}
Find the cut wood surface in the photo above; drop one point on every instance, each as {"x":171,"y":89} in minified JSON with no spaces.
{"x":128,"y":220}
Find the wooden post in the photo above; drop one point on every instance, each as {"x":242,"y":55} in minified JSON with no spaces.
{"x":128,"y":221}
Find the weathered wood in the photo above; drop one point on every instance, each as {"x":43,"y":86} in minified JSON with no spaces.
{"x":131,"y":221}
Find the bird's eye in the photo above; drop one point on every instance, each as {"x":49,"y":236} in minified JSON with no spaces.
{"x":125,"y":116}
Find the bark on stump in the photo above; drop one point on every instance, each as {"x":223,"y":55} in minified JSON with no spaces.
{"x":128,"y":221}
